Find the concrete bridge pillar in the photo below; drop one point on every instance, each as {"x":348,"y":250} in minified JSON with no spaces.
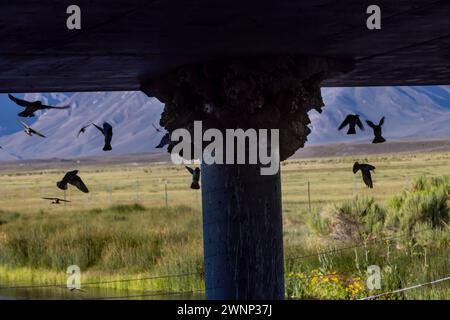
{"x":242,"y":216}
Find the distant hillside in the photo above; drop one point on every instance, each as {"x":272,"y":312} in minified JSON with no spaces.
{"x":130,"y":113}
{"x":412,"y":113}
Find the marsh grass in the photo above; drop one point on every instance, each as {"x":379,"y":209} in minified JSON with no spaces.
{"x":114,"y":242}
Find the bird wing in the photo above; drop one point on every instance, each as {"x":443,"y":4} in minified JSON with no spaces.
{"x":55,"y":199}
{"x":190,"y":169}
{"x":370,"y":167}
{"x":164,"y":140}
{"x":367,"y":178}
{"x":359,"y":123}
{"x":77,"y":182}
{"x":20,"y":102}
{"x":82,"y":130}
{"x":99,"y":128}
{"x":107,"y":126}
{"x":37,"y":133}
{"x":381,"y":121}
{"x":43,"y":106}
{"x":370,"y":123}
{"x":23,"y":124}
{"x":344,"y":123}
{"x":69,"y":175}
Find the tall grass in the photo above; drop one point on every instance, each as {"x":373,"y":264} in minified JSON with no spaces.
{"x":117,"y":241}
{"x":135,"y":241}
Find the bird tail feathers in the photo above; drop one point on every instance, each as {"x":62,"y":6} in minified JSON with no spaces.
{"x":195,"y":185}
{"x":379,"y":140}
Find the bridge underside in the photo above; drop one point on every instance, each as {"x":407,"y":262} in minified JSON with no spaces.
{"x":120,"y":45}
{"x":134,"y":46}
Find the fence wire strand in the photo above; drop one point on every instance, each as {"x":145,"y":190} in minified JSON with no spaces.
{"x":166,"y":293}
{"x":362,"y":244}
{"x":420,"y":285}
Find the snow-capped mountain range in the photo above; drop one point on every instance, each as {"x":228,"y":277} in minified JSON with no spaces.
{"x":411,"y":113}
{"x":130,"y":113}
{"x":415,"y":113}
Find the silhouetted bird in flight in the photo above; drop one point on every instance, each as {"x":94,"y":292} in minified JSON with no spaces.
{"x":156,"y":128}
{"x":56,"y":200}
{"x":83,"y":130}
{"x":195,"y":177}
{"x":32,"y":107}
{"x":72,"y":178}
{"x":365,"y":171}
{"x":351,"y":121}
{"x":377,"y":131}
{"x":165,"y":140}
{"x":107,"y":132}
{"x":30,"y":131}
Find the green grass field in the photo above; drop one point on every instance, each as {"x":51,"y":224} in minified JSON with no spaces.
{"x":123,"y":229}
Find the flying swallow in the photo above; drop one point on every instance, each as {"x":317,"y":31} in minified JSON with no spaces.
{"x":32,"y":107}
{"x":195,"y":177}
{"x":72,"y":178}
{"x":56,"y":200}
{"x":83,"y":130}
{"x":108,"y":133}
{"x":30,"y":131}
{"x":377,"y":131}
{"x":165,"y":140}
{"x":351,"y":121}
{"x":365,"y":171}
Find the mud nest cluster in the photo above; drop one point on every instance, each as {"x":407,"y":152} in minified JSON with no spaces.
{"x":265,"y":93}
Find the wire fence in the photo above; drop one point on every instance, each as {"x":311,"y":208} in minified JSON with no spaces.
{"x":164,"y":192}
{"x":359,"y":245}
{"x":145,"y":295}
{"x":87,"y":284}
{"x":372,"y":297}
{"x":201,"y":275}
{"x":417,"y":286}
{"x":147,"y":192}
{"x":155,"y":190}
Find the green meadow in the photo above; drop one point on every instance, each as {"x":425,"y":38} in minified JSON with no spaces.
{"x":144,"y":222}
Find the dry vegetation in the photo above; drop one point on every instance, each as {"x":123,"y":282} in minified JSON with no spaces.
{"x":122,"y":228}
